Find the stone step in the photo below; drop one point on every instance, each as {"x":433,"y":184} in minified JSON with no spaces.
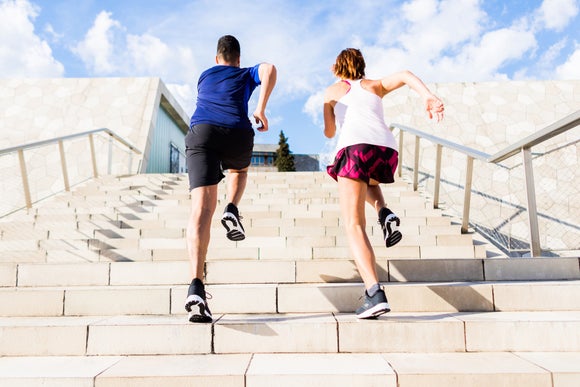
{"x":272,"y":251}
{"x":305,"y":271}
{"x":98,"y":300}
{"x":291,"y":333}
{"x":538,"y":369}
{"x":178,"y":217}
{"x":291,"y":271}
{"x":411,"y":213}
{"x":260,"y":237}
{"x":290,"y":227}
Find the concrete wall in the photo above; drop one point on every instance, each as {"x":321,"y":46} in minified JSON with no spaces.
{"x":488,"y":117}
{"x":32,"y":110}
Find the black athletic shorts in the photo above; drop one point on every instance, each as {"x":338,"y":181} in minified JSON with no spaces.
{"x":212,"y":149}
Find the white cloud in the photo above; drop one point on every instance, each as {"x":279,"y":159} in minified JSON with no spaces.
{"x":22,"y":52}
{"x":439,"y":40}
{"x":439,"y":49}
{"x":433,"y":26}
{"x":557,"y":14}
{"x":108,"y":49}
{"x":184,"y":94}
{"x":313,"y":107}
{"x":150,"y":55}
{"x":98,"y":47}
{"x":418,"y":11}
{"x":546,"y":62}
{"x":55,"y":37}
{"x":495,"y":49}
{"x":571,"y":68}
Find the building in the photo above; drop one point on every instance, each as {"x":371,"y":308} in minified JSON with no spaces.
{"x":140,"y":110}
{"x":263,"y":157}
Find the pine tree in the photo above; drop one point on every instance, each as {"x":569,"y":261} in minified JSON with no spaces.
{"x":284,"y":159}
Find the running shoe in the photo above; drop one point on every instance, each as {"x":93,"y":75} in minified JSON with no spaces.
{"x":390,"y":224}
{"x":196,"y":303}
{"x":373,"y":306}
{"x":231,"y":222}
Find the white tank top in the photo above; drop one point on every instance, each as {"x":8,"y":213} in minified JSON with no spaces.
{"x":360,"y":119}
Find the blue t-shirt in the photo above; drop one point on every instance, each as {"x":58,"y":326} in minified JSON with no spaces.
{"x":223,"y":93}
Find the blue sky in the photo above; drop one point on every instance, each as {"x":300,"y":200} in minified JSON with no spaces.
{"x":439,"y":40}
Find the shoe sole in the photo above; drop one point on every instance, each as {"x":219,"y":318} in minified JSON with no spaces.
{"x":375,"y":311}
{"x":394,"y":236}
{"x":234,"y":232}
{"x":201,"y":315}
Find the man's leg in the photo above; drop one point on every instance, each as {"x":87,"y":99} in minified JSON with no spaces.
{"x":236,"y":184}
{"x":203,"y":204}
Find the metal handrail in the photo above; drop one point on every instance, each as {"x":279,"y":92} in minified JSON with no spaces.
{"x":523,"y":146}
{"x":60,"y":141}
{"x":69,"y":137}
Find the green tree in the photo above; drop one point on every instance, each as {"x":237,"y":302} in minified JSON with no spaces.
{"x":284,"y":159}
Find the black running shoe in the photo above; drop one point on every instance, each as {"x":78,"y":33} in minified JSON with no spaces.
{"x":231,"y":222}
{"x":373,"y":306}
{"x":390,"y":224}
{"x":196,"y":303}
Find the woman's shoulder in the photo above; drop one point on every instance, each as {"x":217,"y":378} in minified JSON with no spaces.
{"x":372,"y":85}
{"x":338,"y":89}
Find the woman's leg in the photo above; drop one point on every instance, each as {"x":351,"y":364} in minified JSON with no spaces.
{"x":389,"y":222}
{"x":353,"y":194}
{"x":375,"y":196}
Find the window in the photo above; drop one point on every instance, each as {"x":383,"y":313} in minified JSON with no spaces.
{"x":176,"y":160}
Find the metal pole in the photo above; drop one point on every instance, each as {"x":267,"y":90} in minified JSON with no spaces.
{"x":416,"y":166}
{"x":130,"y":163}
{"x":536,"y":250}
{"x":401,"y":147}
{"x":63,"y":166}
{"x":437,"y":176}
{"x":110,"y":162}
{"x":467,"y":194}
{"x":93,"y":156}
{"x":24,"y":175}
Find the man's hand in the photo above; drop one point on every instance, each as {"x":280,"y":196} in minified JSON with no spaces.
{"x":261,"y":120}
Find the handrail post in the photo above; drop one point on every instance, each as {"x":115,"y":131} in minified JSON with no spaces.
{"x":401,"y":147}
{"x":93,"y":156}
{"x":130,"y":163}
{"x":437,"y":176}
{"x":535,"y":250}
{"x":416,"y":164}
{"x":63,"y":166}
{"x":467,"y":194}
{"x":24,"y":175}
{"x":110,"y":160}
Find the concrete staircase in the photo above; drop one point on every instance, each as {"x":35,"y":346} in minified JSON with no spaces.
{"x":92,"y":286}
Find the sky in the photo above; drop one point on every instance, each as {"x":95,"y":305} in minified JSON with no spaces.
{"x":438,"y":40}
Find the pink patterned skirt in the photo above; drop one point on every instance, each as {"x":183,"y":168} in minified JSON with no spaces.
{"x":365,"y":162}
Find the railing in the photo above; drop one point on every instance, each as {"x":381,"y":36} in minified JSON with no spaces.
{"x":523,"y":147}
{"x":63,"y":162}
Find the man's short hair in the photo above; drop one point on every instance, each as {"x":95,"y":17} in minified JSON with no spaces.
{"x":228,"y":48}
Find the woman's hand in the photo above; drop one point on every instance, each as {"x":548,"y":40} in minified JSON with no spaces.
{"x":434,"y":107}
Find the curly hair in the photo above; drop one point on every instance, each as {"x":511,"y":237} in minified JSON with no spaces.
{"x":350,"y":64}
